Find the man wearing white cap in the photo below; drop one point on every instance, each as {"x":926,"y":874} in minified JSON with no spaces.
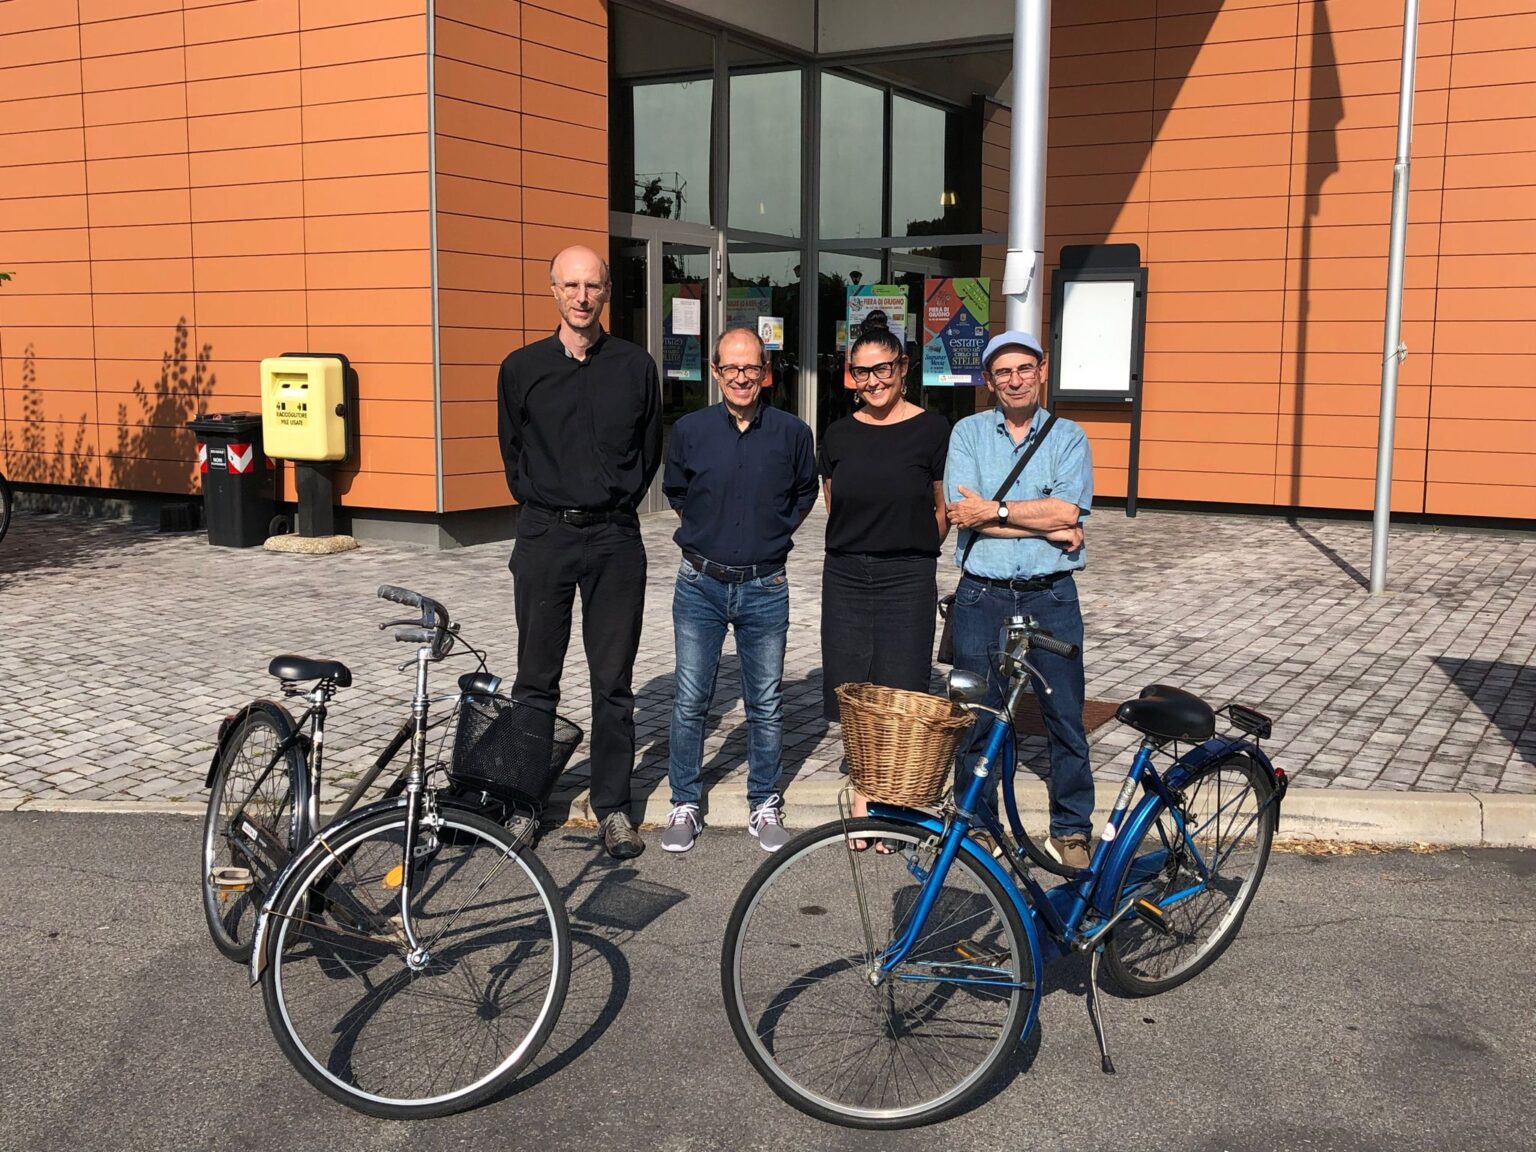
{"x":1018,"y":551}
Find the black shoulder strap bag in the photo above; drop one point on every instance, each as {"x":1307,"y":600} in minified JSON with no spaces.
{"x":947,"y":603}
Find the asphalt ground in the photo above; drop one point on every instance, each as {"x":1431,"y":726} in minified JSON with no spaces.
{"x":1377,"y":1001}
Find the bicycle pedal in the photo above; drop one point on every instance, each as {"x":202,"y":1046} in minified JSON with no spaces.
{"x":1153,"y":915}
{"x":229,"y":878}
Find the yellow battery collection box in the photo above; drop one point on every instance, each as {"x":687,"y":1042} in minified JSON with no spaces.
{"x":304,"y":408}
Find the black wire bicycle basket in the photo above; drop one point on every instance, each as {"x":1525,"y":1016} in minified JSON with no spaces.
{"x":510,"y":750}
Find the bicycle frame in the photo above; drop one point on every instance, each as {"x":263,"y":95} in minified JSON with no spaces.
{"x":413,"y":783}
{"x":1064,"y":909}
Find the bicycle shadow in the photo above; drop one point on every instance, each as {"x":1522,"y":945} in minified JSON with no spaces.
{"x":609,"y":904}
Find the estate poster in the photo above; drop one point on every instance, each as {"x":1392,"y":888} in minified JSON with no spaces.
{"x":956,"y":313}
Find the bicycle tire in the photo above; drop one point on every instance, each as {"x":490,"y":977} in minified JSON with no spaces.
{"x":1231,"y":823}
{"x":6,"y":501}
{"x":352,"y":1014}
{"x":800,"y":911}
{"x":273,"y":808}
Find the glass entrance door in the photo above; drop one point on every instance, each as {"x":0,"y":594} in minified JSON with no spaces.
{"x":666,"y":298}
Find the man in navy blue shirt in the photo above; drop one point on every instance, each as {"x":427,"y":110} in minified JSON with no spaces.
{"x":742,"y":477}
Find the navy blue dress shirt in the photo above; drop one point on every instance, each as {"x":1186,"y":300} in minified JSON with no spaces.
{"x":741,"y":493}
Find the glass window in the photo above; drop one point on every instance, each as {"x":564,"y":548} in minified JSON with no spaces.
{"x":925,"y":190}
{"x":662,"y":113}
{"x":767,"y":283}
{"x":852,"y":158}
{"x":765,"y":152}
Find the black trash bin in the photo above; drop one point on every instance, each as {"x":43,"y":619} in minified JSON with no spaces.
{"x":238,"y":492}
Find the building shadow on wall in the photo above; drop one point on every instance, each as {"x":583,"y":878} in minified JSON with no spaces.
{"x":1325,"y":110}
{"x":1503,"y":692}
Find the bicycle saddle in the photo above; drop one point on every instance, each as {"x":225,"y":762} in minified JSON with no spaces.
{"x":1165,"y":713}
{"x":303,"y":668}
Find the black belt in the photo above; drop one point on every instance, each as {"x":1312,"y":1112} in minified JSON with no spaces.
{"x":1023,"y":584}
{"x":731,"y":573}
{"x":586,"y":517}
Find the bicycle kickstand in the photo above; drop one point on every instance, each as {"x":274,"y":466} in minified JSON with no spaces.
{"x":1093,"y":1012}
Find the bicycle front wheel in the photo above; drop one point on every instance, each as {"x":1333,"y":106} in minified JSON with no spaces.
{"x":400,"y":1033}
{"x":830,"y":1034}
{"x":1201,"y":880}
{"x":256,"y":807}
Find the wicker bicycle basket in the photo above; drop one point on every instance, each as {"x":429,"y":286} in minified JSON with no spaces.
{"x":900,"y":744}
{"x":510,"y":750}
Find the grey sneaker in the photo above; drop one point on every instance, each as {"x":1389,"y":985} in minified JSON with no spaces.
{"x":619,"y":836}
{"x":767,"y":823}
{"x":683,"y":828}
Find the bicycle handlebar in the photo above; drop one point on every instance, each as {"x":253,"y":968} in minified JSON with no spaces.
{"x":1048,"y":643}
{"x":433,"y":627}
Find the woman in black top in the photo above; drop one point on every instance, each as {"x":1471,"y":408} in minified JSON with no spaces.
{"x":883,"y":481}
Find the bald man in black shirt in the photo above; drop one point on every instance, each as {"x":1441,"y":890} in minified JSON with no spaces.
{"x":580,"y":429}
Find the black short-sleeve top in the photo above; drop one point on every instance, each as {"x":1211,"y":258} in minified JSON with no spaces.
{"x":882,"y":478}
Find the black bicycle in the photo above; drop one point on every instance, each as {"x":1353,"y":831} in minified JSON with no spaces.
{"x":5,"y":505}
{"x":413,"y":953}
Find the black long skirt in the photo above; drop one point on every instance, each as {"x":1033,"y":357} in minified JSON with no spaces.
{"x":878,"y":617}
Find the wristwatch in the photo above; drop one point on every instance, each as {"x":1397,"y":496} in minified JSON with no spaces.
{"x":1002,"y":511}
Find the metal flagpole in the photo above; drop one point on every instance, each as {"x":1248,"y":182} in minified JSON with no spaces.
{"x":1023,"y":275}
{"x":1393,"y":349}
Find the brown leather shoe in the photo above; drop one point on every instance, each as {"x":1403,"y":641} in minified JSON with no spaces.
{"x":620,"y":837}
{"x":1069,"y":850}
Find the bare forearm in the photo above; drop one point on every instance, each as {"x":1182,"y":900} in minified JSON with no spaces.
{"x":1042,"y":516}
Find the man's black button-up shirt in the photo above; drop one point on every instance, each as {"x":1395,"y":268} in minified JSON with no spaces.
{"x":580,"y":433}
{"x":741,"y":494}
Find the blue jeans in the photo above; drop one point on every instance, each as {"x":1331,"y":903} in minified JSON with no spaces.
{"x":702,"y":609}
{"x":979,"y":613}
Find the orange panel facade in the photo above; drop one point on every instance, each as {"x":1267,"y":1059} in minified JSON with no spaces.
{"x":187,"y":186}
{"x":1248,"y":150}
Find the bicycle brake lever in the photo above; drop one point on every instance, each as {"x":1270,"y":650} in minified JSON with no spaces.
{"x":1040,"y":680}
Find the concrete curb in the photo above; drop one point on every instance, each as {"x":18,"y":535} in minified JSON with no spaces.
{"x":1328,"y":815}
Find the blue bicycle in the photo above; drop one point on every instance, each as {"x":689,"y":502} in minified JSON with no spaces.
{"x":884,"y":987}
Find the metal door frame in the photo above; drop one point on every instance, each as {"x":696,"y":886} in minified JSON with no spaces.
{"x":655,"y":232}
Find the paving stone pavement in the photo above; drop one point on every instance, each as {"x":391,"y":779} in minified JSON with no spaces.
{"x":125,"y":647}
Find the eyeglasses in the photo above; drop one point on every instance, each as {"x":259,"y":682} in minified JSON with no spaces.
{"x":1005,"y":375}
{"x":574,"y":287}
{"x":882,"y":371}
{"x":751,"y":372}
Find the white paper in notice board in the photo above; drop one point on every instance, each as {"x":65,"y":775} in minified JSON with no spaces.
{"x":1098,"y":318}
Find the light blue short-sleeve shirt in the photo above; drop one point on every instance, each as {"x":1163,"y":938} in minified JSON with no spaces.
{"x":982,"y":453}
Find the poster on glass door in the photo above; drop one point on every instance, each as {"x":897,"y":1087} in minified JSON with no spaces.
{"x":681,"y":352}
{"x":883,"y":305}
{"x":956,"y":315}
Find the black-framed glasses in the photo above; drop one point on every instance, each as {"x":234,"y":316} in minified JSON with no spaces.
{"x":885,"y":370}
{"x":1005,"y":375}
{"x":751,"y":372}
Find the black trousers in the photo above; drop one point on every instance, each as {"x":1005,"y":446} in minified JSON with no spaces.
{"x":878,"y":615}
{"x":551,"y":562}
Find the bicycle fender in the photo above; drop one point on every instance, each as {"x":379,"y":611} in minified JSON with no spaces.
{"x":231,"y":724}
{"x":1129,"y":836}
{"x":315,"y":846}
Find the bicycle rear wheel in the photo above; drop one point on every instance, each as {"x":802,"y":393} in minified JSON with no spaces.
{"x":796,"y":971}
{"x":403,"y":1036}
{"x":5,"y":506}
{"x":1202,"y":881}
{"x":255,"y":816}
